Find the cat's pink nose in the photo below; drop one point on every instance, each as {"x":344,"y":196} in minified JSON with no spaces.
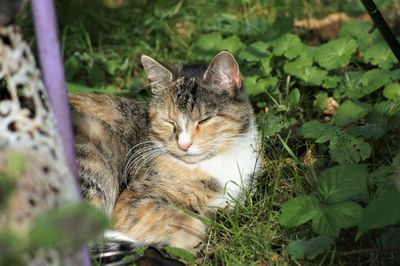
{"x":185,"y":146}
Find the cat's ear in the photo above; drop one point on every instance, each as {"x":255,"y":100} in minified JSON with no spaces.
{"x":159,"y":76}
{"x":224,"y":73}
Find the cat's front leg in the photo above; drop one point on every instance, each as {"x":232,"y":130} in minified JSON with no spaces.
{"x":156,"y":222}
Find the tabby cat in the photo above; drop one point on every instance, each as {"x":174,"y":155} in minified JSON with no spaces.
{"x":190,"y":149}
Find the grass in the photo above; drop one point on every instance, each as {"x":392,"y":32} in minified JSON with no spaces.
{"x":250,"y":234}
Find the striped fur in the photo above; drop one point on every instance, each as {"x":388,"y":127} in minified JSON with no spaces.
{"x":149,"y":165}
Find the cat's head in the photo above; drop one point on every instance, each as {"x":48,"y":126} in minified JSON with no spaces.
{"x":197,"y":111}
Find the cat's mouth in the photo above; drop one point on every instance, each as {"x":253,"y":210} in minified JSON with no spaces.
{"x":191,"y":158}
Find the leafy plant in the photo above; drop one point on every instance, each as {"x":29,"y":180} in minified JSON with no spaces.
{"x":278,"y":74}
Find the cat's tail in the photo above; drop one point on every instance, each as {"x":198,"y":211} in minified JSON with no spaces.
{"x":113,"y":246}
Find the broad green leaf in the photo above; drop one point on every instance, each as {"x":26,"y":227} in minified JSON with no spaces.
{"x":332,"y":218}
{"x":266,"y":65}
{"x":310,"y":248}
{"x":299,"y":210}
{"x":382,"y":174}
{"x":388,"y":108}
{"x":380,"y":55}
{"x":309,"y":74}
{"x":356,"y":8}
{"x":321,"y":101}
{"x":294,"y":97}
{"x":360,"y":31}
{"x":183,"y":254}
{"x":288,"y":45}
{"x":382,"y":211}
{"x":255,"y":85}
{"x":335,"y":53}
{"x":392,"y":91}
{"x":367,"y":82}
{"x":319,"y":132}
{"x":346,"y":149}
{"x":349,"y":112}
{"x":67,"y":226}
{"x":331,"y":82}
{"x":232,"y":44}
{"x":282,"y":25}
{"x":375,"y":127}
{"x":272,"y":126}
{"x":254,"y":52}
{"x":395,"y":74}
{"x":206,"y":46}
{"x":342,"y":182}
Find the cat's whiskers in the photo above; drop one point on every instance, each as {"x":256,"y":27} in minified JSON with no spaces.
{"x":137,"y":155}
{"x":154,"y":155}
{"x":132,"y":148}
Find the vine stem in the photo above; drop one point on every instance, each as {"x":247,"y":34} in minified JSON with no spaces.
{"x":45,"y":21}
{"x":382,"y":26}
{"x":52,"y":67}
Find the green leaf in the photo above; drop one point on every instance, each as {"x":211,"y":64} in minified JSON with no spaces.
{"x":254,"y":52}
{"x":206,"y":46}
{"x":360,"y":31}
{"x":392,"y":91}
{"x":318,"y":131}
{"x":346,"y":149}
{"x":288,"y":45}
{"x":58,"y":228}
{"x":266,"y":65}
{"x":335,"y":53}
{"x":184,"y":255}
{"x":232,"y":44}
{"x":380,"y":55}
{"x":382,"y":211}
{"x":321,"y":101}
{"x":332,"y":218}
{"x":388,"y":108}
{"x":271,"y":126}
{"x":310,"y":248}
{"x":331,"y":82}
{"x":294,"y":97}
{"x":11,"y":248}
{"x":254,"y":85}
{"x":368,"y":82}
{"x":349,"y":112}
{"x":395,"y":74}
{"x":299,"y":210}
{"x":342,"y":182}
{"x":309,"y":74}
{"x":375,"y":127}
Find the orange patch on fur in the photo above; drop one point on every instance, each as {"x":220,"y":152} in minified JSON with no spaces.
{"x":97,"y":106}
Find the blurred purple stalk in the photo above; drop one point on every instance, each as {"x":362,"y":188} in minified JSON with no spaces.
{"x":52,"y":67}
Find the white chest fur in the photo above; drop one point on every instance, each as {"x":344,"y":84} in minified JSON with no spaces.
{"x":233,"y":168}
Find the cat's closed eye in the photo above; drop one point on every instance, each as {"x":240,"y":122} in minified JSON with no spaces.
{"x":205,"y":120}
{"x":171,"y":123}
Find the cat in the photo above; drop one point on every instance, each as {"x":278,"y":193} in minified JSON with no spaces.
{"x":190,"y":149}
